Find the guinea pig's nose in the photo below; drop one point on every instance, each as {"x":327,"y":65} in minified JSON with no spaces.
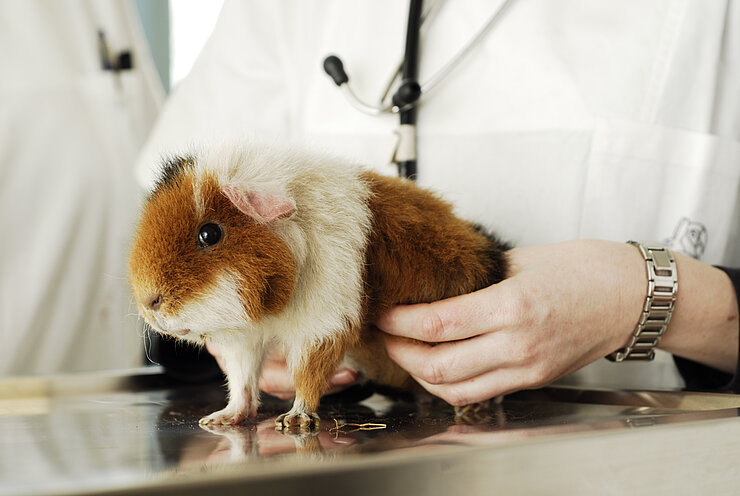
{"x":154,"y":302}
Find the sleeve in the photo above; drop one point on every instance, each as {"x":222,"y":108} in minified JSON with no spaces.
{"x":700,"y":377}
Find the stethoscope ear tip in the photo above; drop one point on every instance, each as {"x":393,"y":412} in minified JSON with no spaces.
{"x":335,"y":69}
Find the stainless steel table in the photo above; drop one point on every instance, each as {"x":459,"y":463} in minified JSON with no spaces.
{"x":137,"y":433}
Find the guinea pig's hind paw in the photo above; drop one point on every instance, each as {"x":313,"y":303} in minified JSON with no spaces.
{"x":305,"y":421}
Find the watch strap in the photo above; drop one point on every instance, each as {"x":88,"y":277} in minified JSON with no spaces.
{"x":659,"y":303}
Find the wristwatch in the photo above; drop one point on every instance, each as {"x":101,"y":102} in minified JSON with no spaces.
{"x":659,"y":303}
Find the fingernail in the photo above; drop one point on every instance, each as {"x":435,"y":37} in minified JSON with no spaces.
{"x":343,"y":377}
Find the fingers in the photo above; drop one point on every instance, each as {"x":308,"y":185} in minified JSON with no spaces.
{"x":478,"y":368}
{"x":484,"y":387}
{"x":544,"y":321}
{"x":452,"y":319}
{"x":445,"y":362}
{"x":277,"y":380}
{"x":341,"y":379}
{"x":214,"y":350}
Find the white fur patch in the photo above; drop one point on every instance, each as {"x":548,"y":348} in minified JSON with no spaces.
{"x":327,"y":236}
{"x":200,"y":209}
{"x":298,"y":407}
{"x":219,"y":310}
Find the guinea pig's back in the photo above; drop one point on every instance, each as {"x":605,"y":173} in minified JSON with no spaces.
{"x":418,"y":252}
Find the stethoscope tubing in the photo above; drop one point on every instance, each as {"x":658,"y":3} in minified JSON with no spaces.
{"x":410,"y":74}
{"x":410,"y":93}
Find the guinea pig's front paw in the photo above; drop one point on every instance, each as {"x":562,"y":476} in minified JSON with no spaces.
{"x":305,"y":421}
{"x":227,"y":416}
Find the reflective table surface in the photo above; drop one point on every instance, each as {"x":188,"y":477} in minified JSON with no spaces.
{"x":138,"y":433}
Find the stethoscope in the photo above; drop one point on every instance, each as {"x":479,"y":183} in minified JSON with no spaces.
{"x":408,"y":95}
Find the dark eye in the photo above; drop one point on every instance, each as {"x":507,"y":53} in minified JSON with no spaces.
{"x":209,"y":234}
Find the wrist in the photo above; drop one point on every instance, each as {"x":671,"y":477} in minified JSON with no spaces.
{"x":704,"y":327}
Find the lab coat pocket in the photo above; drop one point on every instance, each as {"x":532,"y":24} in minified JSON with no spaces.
{"x":650,"y":182}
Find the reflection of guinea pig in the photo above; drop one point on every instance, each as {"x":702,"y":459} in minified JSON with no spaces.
{"x":251,"y":246}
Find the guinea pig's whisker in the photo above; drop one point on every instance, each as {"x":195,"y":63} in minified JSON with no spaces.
{"x":144,"y":329}
{"x":148,"y":344}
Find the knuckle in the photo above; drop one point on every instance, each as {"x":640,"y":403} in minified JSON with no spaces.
{"x":535,"y":307}
{"x":518,"y":351}
{"x":433,"y":327}
{"x":539,"y":375}
{"x":528,"y":350}
{"x":456,"y":397}
{"x":520,"y":307}
{"x":433,"y":372}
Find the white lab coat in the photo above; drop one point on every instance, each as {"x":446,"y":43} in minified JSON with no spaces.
{"x":616,"y":120}
{"x":69,"y":135}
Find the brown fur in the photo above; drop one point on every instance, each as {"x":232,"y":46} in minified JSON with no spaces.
{"x":168,"y":232}
{"x":418,"y":252}
{"x":317,"y":367}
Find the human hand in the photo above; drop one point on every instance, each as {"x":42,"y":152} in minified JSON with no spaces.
{"x":562,"y":307}
{"x":276,"y":380}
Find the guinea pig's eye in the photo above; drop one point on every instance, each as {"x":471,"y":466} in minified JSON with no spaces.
{"x":209,"y":234}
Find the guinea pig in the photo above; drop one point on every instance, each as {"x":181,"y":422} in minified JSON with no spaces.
{"x":251,"y":246}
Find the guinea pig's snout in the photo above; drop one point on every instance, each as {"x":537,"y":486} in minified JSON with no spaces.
{"x":154,"y":302}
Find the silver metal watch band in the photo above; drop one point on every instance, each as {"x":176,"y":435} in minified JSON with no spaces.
{"x":658,"y":308}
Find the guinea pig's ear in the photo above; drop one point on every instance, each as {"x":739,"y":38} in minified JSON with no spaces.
{"x":260,"y":206}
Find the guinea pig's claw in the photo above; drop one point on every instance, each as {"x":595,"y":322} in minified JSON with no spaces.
{"x":304,"y":421}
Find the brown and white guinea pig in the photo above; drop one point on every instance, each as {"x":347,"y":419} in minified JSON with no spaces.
{"x":251,"y":246}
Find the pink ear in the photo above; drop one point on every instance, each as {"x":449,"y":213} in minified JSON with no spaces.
{"x":262,"y":207}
